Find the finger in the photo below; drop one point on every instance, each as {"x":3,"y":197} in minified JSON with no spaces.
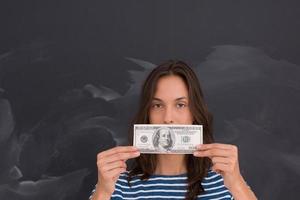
{"x":216,"y":145}
{"x":220,"y":167}
{"x":119,"y":149}
{"x":117,"y":174}
{"x":221,"y":160}
{"x":114,"y":172}
{"x":213,"y":152}
{"x":121,"y":156}
{"x":103,"y":161}
{"x":113,"y":165}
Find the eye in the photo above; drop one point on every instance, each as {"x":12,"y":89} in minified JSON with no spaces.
{"x":181,"y":105}
{"x":156,"y":105}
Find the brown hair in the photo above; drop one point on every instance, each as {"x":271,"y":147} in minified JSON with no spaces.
{"x":197,"y":168}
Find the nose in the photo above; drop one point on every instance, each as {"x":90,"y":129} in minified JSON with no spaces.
{"x":168,"y":116}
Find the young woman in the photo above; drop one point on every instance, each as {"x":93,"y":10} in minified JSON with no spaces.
{"x":171,"y":94}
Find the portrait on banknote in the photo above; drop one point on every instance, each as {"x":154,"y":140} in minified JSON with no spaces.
{"x":163,"y":139}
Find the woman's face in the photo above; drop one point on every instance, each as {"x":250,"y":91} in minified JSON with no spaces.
{"x":170,"y":103}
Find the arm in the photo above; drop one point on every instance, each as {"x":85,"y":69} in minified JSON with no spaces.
{"x":225,"y":161}
{"x":242,"y":191}
{"x":100,"y":195}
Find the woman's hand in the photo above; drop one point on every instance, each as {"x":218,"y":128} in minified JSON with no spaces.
{"x":225,"y":161}
{"x":110,"y":164}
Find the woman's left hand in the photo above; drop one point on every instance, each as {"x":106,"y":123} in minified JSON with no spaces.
{"x":225,"y":161}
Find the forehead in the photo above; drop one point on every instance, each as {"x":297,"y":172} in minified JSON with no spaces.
{"x":170,"y":87}
{"x":163,"y":132}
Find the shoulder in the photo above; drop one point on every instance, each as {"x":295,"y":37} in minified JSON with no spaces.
{"x":123,"y":179}
{"x":125,"y":176}
{"x":136,"y":180}
{"x":213,"y":185}
{"x":121,"y":186}
{"x":212,"y":175}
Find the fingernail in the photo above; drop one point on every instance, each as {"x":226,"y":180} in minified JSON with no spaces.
{"x":195,"y":153}
{"x":137,"y":153}
{"x":199,"y":146}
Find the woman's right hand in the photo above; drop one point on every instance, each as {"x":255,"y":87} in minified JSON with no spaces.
{"x":111,"y":163}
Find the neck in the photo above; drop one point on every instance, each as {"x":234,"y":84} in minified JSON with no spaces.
{"x":170,"y":164}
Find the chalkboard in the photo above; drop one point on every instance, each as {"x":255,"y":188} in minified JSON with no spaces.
{"x":71,"y":72}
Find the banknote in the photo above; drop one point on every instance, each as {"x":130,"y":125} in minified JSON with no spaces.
{"x":165,"y":138}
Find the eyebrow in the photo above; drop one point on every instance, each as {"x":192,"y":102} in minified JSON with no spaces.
{"x":177,"y":99}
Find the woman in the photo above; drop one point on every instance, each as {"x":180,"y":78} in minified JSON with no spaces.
{"x":171,"y":94}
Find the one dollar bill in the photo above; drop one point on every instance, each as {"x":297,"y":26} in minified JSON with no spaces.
{"x":165,"y":138}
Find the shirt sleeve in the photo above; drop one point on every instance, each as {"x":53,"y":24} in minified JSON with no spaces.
{"x":92,"y":193}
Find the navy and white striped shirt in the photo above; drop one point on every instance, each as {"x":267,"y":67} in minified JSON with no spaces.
{"x":168,"y":187}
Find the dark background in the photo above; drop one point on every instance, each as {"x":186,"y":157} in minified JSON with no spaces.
{"x":70,"y":73}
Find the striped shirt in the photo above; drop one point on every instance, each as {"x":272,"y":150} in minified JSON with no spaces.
{"x":168,"y":187}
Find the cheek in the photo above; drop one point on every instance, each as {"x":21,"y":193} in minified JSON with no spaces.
{"x":185,"y":117}
{"x":154,"y":118}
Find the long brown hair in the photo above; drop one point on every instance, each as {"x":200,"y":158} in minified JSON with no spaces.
{"x":197,"y":168}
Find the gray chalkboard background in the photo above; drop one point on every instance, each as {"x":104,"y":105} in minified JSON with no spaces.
{"x":70,"y":73}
